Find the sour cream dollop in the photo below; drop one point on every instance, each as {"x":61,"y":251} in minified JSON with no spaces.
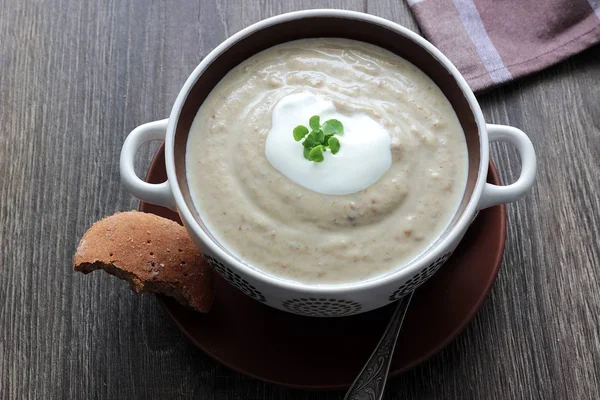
{"x":365,"y":153}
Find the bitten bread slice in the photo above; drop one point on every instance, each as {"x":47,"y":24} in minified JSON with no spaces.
{"x":153,"y":254}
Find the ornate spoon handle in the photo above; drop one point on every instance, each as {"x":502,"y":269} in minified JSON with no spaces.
{"x":370,"y":383}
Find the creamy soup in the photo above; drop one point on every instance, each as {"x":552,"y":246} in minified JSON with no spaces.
{"x":371,"y":208}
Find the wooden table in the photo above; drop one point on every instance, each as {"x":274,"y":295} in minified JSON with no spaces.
{"x":77,"y":76}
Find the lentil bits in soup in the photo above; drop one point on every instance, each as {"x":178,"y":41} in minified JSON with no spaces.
{"x":388,"y":192}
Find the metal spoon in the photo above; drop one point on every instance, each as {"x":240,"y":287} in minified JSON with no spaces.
{"x":370,"y":383}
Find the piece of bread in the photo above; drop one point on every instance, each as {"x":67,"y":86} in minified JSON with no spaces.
{"x":153,"y":254}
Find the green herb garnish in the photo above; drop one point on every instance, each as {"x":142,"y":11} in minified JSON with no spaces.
{"x":316,"y":154}
{"x":333,"y":127}
{"x":320,"y":138}
{"x":334,"y":145}
{"x":313,"y":122}
{"x":299,"y":132}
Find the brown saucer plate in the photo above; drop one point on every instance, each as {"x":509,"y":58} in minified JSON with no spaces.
{"x":319,"y":353}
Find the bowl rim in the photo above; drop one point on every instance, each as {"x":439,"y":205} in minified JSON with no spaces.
{"x":440,"y":246}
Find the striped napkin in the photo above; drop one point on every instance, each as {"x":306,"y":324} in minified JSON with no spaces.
{"x":493,"y":42}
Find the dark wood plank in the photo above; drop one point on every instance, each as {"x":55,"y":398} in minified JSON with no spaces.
{"x":77,"y":76}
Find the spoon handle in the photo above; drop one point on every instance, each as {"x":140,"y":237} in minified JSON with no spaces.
{"x":370,"y":383}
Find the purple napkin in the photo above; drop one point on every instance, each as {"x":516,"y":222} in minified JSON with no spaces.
{"x":493,"y":42}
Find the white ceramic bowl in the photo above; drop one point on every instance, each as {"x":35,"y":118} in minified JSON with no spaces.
{"x":341,"y":299}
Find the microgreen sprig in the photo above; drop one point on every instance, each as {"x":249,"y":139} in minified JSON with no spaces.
{"x":320,"y":138}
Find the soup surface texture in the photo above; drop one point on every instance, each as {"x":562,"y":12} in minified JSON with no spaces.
{"x":280,"y":226}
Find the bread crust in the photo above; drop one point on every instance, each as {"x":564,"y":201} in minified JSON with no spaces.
{"x":153,"y":254}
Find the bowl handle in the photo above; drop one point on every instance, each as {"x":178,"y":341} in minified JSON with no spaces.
{"x":159,"y":193}
{"x":493,"y":194}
